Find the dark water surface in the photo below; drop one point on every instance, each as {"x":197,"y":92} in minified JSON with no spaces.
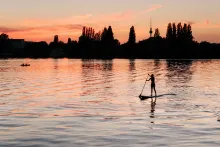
{"x":65,"y":102}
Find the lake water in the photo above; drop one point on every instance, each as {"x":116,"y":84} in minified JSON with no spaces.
{"x":85,"y":103}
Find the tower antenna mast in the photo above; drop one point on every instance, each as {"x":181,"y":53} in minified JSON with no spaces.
{"x":151,"y":30}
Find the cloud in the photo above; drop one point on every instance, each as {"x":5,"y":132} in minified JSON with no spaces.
{"x":80,"y":19}
{"x":206,"y":24}
{"x":152,"y":8}
{"x":45,"y":33}
{"x":190,"y":22}
{"x":42,"y":28}
{"x":83,"y":16}
{"x":128,"y":15}
{"x":8,"y":30}
{"x":202,"y":24}
{"x":86,"y":19}
{"x":112,"y":18}
{"x":37,"y":29}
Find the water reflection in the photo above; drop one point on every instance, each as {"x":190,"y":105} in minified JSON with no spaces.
{"x":45,"y":103}
{"x":158,"y":69}
{"x":107,"y":77}
{"x":132,"y":65}
{"x":96,"y":76}
{"x":88,"y":69}
{"x":107,"y":65}
{"x":152,"y":111}
{"x":179,"y":71}
{"x":56,"y":63}
{"x":157,"y":63}
{"x":153,"y":104}
{"x":132,"y":71}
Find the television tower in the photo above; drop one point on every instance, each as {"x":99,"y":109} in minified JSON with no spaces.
{"x":151,"y":30}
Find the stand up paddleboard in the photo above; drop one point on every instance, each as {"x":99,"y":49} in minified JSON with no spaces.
{"x":142,"y":97}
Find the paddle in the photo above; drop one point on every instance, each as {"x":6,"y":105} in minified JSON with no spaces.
{"x":143,"y":87}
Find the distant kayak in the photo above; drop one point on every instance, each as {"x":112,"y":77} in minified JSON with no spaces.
{"x":25,"y":64}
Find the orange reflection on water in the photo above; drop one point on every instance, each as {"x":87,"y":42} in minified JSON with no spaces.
{"x":58,"y":65}
{"x":207,"y":70}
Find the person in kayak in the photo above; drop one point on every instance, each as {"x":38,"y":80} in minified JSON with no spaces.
{"x":152,"y":78}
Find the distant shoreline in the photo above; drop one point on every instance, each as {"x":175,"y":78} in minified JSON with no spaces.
{"x":178,"y":44}
{"x":5,"y":58}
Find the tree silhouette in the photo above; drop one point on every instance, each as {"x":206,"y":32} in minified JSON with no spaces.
{"x":110,"y":35}
{"x":3,"y":37}
{"x":185,"y":32}
{"x":69,"y":41}
{"x":179,"y":43}
{"x":88,"y":35}
{"x":157,"y":33}
{"x":3,"y":41}
{"x":169,"y":32}
{"x":97,"y":36}
{"x":132,"y":36}
{"x":56,"y":39}
{"x":179,"y":31}
{"x":107,"y":36}
{"x":189,"y":33}
{"x":174,"y":33}
{"x":104,"y":35}
{"x":84,"y":31}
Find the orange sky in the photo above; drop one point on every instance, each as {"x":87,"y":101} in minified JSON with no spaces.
{"x":41,"y":20}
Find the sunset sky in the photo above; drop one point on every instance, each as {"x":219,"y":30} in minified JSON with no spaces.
{"x":37,"y":20}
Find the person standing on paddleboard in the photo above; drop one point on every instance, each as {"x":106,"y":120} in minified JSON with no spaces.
{"x":152,"y":78}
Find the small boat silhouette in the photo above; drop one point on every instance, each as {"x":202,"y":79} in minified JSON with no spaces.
{"x":25,"y":64}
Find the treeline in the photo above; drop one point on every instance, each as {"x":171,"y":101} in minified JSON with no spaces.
{"x":178,"y":43}
{"x":97,"y":45}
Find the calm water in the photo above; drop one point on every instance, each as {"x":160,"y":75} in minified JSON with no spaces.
{"x":84,"y":103}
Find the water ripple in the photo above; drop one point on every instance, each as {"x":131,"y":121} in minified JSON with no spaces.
{"x":68,"y":102}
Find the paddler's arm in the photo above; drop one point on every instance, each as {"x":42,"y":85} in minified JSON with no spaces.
{"x":148,"y":79}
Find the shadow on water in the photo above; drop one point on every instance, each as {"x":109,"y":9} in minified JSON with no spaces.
{"x":56,"y":63}
{"x":96,"y":76}
{"x":132,"y":65}
{"x":105,"y":65}
{"x":4,"y":65}
{"x":132,"y":71}
{"x":107,"y":77}
{"x":157,"y":67}
{"x":157,"y":63}
{"x":179,"y":71}
{"x":88,"y":74}
{"x":132,"y":75}
{"x":153,"y":105}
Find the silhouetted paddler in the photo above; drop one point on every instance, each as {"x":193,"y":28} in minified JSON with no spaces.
{"x":152,"y":78}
